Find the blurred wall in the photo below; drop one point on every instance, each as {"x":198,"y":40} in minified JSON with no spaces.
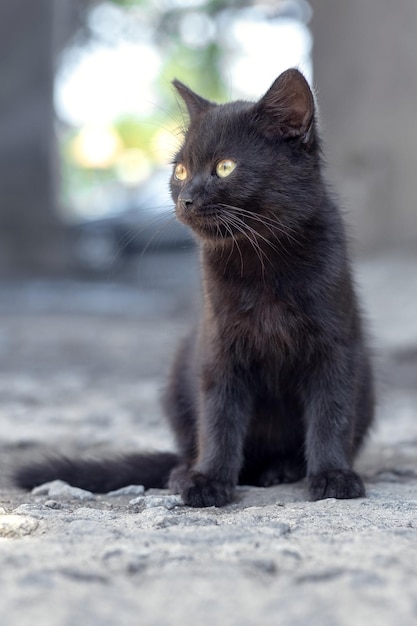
{"x":365,"y":65}
{"x":30,"y":235}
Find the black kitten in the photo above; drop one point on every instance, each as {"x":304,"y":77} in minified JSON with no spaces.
{"x":275,"y":382}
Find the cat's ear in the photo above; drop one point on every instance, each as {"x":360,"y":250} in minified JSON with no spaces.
{"x":195,"y":104}
{"x":287,"y":108}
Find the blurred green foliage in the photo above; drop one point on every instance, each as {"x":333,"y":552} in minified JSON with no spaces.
{"x":190,"y":40}
{"x":200,"y":63}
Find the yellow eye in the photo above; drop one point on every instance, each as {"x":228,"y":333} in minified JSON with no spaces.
{"x":180,"y":173}
{"x":225,"y":167}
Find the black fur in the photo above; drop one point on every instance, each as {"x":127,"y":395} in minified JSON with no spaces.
{"x":275,"y":382}
{"x":152,"y":469}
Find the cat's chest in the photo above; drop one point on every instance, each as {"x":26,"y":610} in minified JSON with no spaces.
{"x":258,"y":322}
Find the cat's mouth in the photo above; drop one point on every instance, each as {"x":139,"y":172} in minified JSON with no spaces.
{"x":206,"y":222}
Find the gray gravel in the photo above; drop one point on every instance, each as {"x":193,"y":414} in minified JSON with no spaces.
{"x":85,"y":378}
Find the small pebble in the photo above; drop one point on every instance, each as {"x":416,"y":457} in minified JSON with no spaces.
{"x":61,"y":489}
{"x":53,"y":504}
{"x":167,"y":502}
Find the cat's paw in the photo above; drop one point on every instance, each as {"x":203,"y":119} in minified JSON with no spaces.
{"x":335,"y":484}
{"x":198,"y":490}
{"x":287,"y":471}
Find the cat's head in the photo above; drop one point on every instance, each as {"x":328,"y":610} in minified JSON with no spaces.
{"x":244,"y":167}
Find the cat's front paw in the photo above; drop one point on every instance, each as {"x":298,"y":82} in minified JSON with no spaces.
{"x":198,"y":490}
{"x":335,"y":484}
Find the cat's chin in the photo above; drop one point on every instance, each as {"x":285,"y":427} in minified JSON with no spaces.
{"x":212,"y":234}
{"x":207,"y":230}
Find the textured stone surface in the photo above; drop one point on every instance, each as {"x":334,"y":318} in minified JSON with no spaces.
{"x":150,"y":502}
{"x":61,"y":489}
{"x":16,"y":525}
{"x":89,"y":384}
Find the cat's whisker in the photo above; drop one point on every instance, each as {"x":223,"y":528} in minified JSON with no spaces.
{"x":257,"y":235}
{"x":230,"y":231}
{"x":166,"y":223}
{"x":165,"y":227}
{"x":235,"y":213}
{"x":273,"y":228}
{"x":241,"y":226}
{"x":275,"y":222}
{"x":134,"y":232}
{"x":219,"y":234}
{"x":267,"y":221}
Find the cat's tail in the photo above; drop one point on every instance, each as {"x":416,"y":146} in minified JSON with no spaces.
{"x":101,"y":476}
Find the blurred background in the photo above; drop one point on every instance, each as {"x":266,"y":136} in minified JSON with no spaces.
{"x":89,"y":121}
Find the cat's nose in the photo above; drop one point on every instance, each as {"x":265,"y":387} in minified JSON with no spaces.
{"x":185,"y":201}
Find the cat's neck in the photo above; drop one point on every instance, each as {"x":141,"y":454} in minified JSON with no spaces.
{"x":263,"y":267}
{"x":235,"y":260}
{"x":252,"y":261}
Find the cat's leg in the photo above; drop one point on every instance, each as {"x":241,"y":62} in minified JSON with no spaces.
{"x":224,"y":414}
{"x":179,"y":402}
{"x":330,"y":419}
{"x":365,"y":403}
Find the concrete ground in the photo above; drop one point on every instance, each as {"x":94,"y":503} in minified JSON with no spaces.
{"x":81,"y":369}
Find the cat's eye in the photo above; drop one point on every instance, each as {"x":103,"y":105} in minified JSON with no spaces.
{"x":225,"y":167}
{"x":180,"y":172}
